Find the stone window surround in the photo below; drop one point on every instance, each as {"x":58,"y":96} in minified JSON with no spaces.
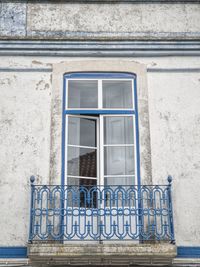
{"x":99,"y":65}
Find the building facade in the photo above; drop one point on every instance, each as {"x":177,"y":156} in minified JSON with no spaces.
{"x":100,"y":133}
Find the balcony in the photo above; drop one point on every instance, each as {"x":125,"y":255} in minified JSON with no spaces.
{"x":101,"y":225}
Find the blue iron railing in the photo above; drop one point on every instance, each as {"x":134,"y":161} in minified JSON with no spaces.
{"x":68,"y":213}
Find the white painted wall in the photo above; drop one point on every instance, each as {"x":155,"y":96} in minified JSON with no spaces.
{"x":174,"y":101}
{"x":24,"y":141}
{"x":174,"y":113}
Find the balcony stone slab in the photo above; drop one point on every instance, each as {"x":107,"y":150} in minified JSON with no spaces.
{"x":105,"y":254}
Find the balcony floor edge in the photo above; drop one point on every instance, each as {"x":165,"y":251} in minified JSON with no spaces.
{"x":105,"y":254}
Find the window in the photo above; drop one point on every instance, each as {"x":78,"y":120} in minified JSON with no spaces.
{"x":100,"y":132}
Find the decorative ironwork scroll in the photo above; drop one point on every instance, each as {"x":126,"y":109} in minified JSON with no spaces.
{"x":68,"y":213}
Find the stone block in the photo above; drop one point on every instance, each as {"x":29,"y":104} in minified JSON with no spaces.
{"x":12,"y":19}
{"x":119,"y":253}
{"x":113,"y":21}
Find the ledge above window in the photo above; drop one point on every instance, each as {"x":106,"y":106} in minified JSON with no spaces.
{"x":122,"y":1}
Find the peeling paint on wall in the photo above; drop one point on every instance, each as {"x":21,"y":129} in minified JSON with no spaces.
{"x":174,"y":101}
{"x":25,"y":140}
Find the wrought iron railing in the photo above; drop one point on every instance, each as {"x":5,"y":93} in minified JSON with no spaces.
{"x":68,"y":213}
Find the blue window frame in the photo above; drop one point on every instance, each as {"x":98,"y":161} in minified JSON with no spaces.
{"x":92,"y":101}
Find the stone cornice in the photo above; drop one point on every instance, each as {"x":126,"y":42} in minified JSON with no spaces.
{"x":99,"y":48}
{"x":103,"y":1}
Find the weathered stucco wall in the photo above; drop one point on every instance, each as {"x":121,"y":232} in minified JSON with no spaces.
{"x":24,"y":140}
{"x":25,"y":104}
{"x":99,"y":21}
{"x":26,"y":99}
{"x":175,"y":127}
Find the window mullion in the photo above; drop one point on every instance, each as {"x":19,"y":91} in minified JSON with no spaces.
{"x":100,"y":94}
{"x":101,"y":150}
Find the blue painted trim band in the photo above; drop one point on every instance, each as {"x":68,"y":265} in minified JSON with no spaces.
{"x":63,"y":148}
{"x":149,"y":69}
{"x":100,"y":75}
{"x":99,"y":111}
{"x":137,"y":152}
{"x":13,"y":252}
{"x":63,"y":134}
{"x":137,"y":132}
{"x":188,"y":252}
{"x":21,"y":252}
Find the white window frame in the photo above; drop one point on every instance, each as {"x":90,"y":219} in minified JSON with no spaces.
{"x":100,"y":94}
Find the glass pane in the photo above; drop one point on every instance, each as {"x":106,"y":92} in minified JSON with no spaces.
{"x":83,"y":193}
{"x":82,"y":132}
{"x":81,"y":182}
{"x":81,"y":162}
{"x":117,"y":94}
{"x":119,"y":160}
{"x":82,"y":94}
{"x":118,"y":130}
{"x":122,"y":180}
{"x":119,"y":197}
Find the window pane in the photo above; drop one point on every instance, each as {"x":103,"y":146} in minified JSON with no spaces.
{"x":117,"y":94}
{"x":88,"y":183}
{"x":118,"y":130}
{"x":81,"y":162}
{"x":83,"y":193}
{"x":82,"y":132}
{"x":82,"y":94}
{"x":119,"y":160}
{"x":119,"y":180}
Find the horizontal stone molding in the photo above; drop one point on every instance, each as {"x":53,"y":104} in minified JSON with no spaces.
{"x":14,"y":262}
{"x":104,"y":1}
{"x":99,"y":48}
{"x":149,"y":69}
